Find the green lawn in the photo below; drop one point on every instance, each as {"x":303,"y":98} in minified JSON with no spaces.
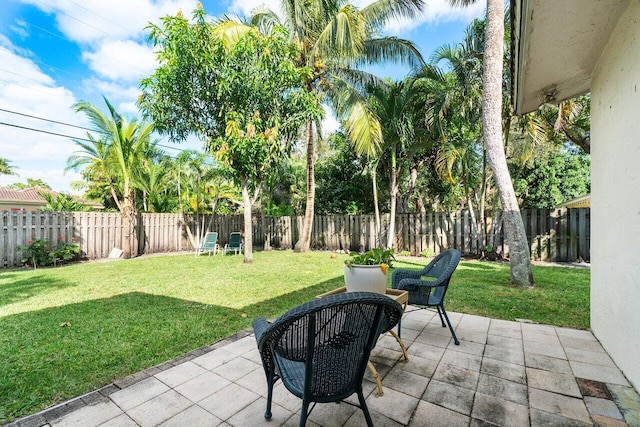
{"x":66,"y":331}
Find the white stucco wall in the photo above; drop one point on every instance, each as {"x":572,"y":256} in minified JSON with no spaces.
{"x":615,"y":195}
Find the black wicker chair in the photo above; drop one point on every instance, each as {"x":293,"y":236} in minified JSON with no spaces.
{"x":320,"y":349}
{"x":428,"y":287}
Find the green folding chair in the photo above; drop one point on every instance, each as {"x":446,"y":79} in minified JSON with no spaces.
{"x":235,"y":244}
{"x":209,"y":244}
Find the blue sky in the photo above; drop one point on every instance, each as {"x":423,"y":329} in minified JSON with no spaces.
{"x":54,"y":53}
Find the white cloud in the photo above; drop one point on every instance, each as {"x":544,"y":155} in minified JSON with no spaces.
{"x":329,"y":124}
{"x":18,"y":68}
{"x":29,"y":91}
{"x":129,"y":108}
{"x":121,"y":60}
{"x":437,"y":12}
{"x":246,"y":7}
{"x":115,"y":92}
{"x":92,"y":20}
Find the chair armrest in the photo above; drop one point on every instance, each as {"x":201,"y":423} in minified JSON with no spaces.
{"x":412,"y":284}
{"x":260,"y":325}
{"x":400,"y":274}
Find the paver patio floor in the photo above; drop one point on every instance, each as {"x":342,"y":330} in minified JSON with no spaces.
{"x":502,"y":373}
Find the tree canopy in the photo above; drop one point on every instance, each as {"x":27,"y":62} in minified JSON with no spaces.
{"x":244,"y":97}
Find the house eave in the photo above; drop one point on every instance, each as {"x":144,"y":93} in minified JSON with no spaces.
{"x":556,"y":46}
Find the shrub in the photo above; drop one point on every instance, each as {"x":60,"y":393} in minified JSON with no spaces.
{"x":65,"y":252}
{"x":39,"y":253}
{"x":427,"y":253}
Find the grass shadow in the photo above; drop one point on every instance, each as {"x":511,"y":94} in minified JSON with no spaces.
{"x":18,"y":286}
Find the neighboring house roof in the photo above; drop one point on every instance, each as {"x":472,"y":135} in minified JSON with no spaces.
{"x":30,"y":197}
{"x":578,"y":202}
{"x":556,"y":45}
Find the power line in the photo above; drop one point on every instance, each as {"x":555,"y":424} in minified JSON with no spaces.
{"x":37,"y":61}
{"x":44,"y":131}
{"x":24,"y":77}
{"x":100,"y":16}
{"x":46,"y":120}
{"x":27,"y":87}
{"x":75,"y":19}
{"x":68,"y":136}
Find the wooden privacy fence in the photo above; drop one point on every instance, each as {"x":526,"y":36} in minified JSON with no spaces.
{"x":554,"y":235}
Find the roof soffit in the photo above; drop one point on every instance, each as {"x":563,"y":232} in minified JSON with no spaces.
{"x":558,"y":44}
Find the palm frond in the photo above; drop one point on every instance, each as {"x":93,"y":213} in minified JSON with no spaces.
{"x":390,"y":50}
{"x":358,"y":79}
{"x":342,"y":37}
{"x":461,"y":3}
{"x":360,"y":122}
{"x":264,"y":19}
{"x":229,"y":32}
{"x":379,"y":13}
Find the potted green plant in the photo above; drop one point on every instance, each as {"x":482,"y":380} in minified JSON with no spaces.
{"x":367,"y":271}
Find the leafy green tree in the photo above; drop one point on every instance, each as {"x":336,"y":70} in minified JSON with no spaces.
{"x":555,"y":177}
{"x":394,"y":103}
{"x":343,"y":184}
{"x":453,"y":108}
{"x":153,"y":181}
{"x":283,"y":193}
{"x":5,"y":167}
{"x":31,"y":183}
{"x":62,"y":203}
{"x":116,"y":151}
{"x":245,"y":99}
{"x":335,"y":37}
{"x":569,"y":121}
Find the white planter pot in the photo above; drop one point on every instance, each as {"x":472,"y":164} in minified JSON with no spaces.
{"x":365,"y":278}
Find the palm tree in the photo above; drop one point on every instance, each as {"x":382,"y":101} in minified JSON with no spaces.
{"x":119,"y":149}
{"x":453,"y":106}
{"x":5,"y":167}
{"x":334,"y":36}
{"x":519,"y":255}
{"x":394,"y":105}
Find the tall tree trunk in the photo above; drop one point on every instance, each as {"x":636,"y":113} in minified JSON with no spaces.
{"x":128,"y":218}
{"x":474,"y":223}
{"x":406,"y":198}
{"x":376,"y":204}
{"x":482,"y":202}
{"x":519,"y":256}
{"x":248,"y":226}
{"x":393,"y":194}
{"x":305,"y":234}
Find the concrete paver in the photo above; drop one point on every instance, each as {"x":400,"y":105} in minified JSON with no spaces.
{"x":503,"y":389}
{"x":503,"y":373}
{"x":500,"y":412}
{"x":566,"y":406}
{"x":553,"y":381}
{"x":504,"y":370}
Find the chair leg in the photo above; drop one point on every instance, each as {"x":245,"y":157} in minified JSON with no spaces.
{"x":267,"y":413}
{"x":453,"y":334}
{"x":304,"y":413}
{"x":440,"y":314}
{"x":365,"y":410}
